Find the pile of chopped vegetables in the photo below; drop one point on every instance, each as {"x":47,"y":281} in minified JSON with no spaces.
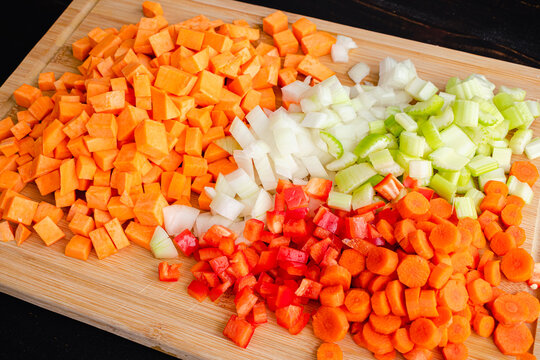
{"x":394,"y":210}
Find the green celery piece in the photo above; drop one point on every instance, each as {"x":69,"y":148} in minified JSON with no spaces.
{"x":488,"y":113}
{"x":443,"y":187}
{"x":519,"y":140}
{"x":452,"y":176}
{"x":532,"y":150}
{"x":406,"y":121}
{"x":464,"y":177}
{"x":392,"y":125}
{"x":503,"y":101}
{"x":443,"y":120}
{"x":463,"y":189}
{"x":465,"y":112}
{"x":411,"y":144}
{"x":350,"y":178}
{"x":377,"y":127}
{"x":499,"y":131}
{"x":363,"y":196}
{"x":340,"y":201}
{"x":481,"y":164}
{"x":454,"y":137}
{"x":426,"y":108}
{"x":465,"y":207}
{"x":403,"y":159}
{"x":483,"y":149}
{"x":369,"y":144}
{"x":334,"y":145}
{"x":393,"y":141}
{"x":375,"y":179}
{"x":453,"y":81}
{"x":516,"y":93}
{"x":431,"y":134}
{"x":526,"y":114}
{"x":445,"y":158}
{"x":343,"y":162}
{"x":496,"y":175}
{"x":477,"y":196}
{"x":477,"y":134}
{"x":514,"y":116}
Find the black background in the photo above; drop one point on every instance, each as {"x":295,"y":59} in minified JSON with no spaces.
{"x":505,"y":30}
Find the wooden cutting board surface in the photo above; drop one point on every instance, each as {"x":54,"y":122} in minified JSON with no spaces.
{"x":121,"y":294}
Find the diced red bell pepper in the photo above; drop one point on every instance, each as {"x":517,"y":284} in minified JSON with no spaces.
{"x":209,"y":253}
{"x":260,"y":246}
{"x":282,"y":183}
{"x":307,"y":245}
{"x":252,"y":257}
{"x":389,"y":187}
{"x":299,"y":325}
{"x":210,"y":278}
{"x":292,"y":284}
{"x":170,"y":273}
{"x":219,"y":264}
{"x":289,"y":315}
{"x":239,"y":264}
{"x":309,"y":289}
{"x":280,"y":241}
{"x":259,"y":313}
{"x":285,"y":296}
{"x":295,"y":228}
{"x":370,"y":208}
{"x":187,"y":242}
{"x":427,"y":192}
{"x":239,"y":331}
{"x":321,"y":233}
{"x":279,"y":202}
{"x":330,"y":257}
{"x":326,"y":219}
{"x":296,"y":214}
{"x":389,"y":214}
{"x":409,"y":182}
{"x":219,"y":290}
{"x":361,"y":245}
{"x":271,"y":302}
{"x":293,"y":268}
{"x":318,"y":250}
{"x":267,"y":236}
{"x":336,"y":242}
{"x":216,"y":233}
{"x":319,"y":188}
{"x":253,"y":230}
{"x":226,"y":245}
{"x":295,"y":197}
{"x":274,"y":221}
{"x":199,"y":268}
{"x":356,"y":227}
{"x":267,"y":260}
{"x":244,"y":300}
{"x":313,"y":272}
{"x":290,"y":254}
{"x":198,"y":290}
{"x":268,"y":289}
{"x":249,"y":280}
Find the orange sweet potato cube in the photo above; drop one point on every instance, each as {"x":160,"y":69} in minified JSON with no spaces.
{"x":102,"y":243}
{"x":140,"y":234}
{"x":190,"y":38}
{"x":81,"y":224}
{"x":48,"y":231}
{"x":129,"y":159}
{"x":45,"y":209}
{"x":6,"y":233}
{"x":102,"y":126}
{"x":151,"y":139}
{"x":149,"y":209}
{"x":117,"y":234}
{"x":79,"y":247}
{"x":275,"y":22}
{"x":303,"y":27}
{"x":207,"y":88}
{"x":286,"y":42}
{"x":174,"y":81}
{"x":97,"y":197}
{"x":20,"y":210}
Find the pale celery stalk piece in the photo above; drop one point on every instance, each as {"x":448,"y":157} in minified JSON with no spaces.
{"x":466,"y":112}
{"x":443,"y":120}
{"x":477,"y":196}
{"x":412,"y":144}
{"x":369,"y":144}
{"x":532,"y":150}
{"x":462,"y":189}
{"x":346,"y":160}
{"x":445,"y":158}
{"x":454,"y":137}
{"x":452,"y":176}
{"x":340,"y":201}
{"x":377,"y":127}
{"x":483,"y":149}
{"x":519,"y":140}
{"x":421,"y":90}
{"x":406,"y":122}
{"x":381,"y":159}
{"x":350,"y":178}
{"x":443,"y":187}
{"x":362,"y":196}
{"x":481,"y":164}
{"x":431,"y":134}
{"x":420,"y":169}
{"x":495,"y":175}
{"x":503,"y":156}
{"x":517,"y":94}
{"x":521,"y":189}
{"x":465,"y":207}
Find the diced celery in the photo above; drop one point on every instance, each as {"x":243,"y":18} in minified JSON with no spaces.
{"x":362,"y":196}
{"x":465,"y":207}
{"x":350,"y":178}
{"x":334,"y":145}
{"x":516,"y":93}
{"x":392,"y":125}
{"x":477,"y":196}
{"x":466,"y":112}
{"x":466,"y":187}
{"x":419,"y":169}
{"x":406,"y":122}
{"x":430,"y":106}
{"x":393,"y":141}
{"x":526,"y":114}
{"x":452,"y":176}
{"x":443,"y":120}
{"x":534,"y":107}
{"x":495,"y":175}
{"x":514,"y":116}
{"x":431,"y":134}
{"x":375,"y":179}
{"x":503,"y":156}
{"x":521,"y":189}
{"x":464,"y":177}
{"x":489,"y":114}
{"x":499,"y":131}
{"x":483,"y":149}
{"x":377,"y":127}
{"x":469,"y":88}
{"x":445,"y":158}
{"x":346,"y":160}
{"x":403,"y":159}
{"x":411,"y":144}
{"x":340,"y":201}
{"x":421,"y":90}
{"x":503,"y":101}
{"x":482,"y":164}
{"x":453,"y":81}
{"x":519,"y":140}
{"x":498,"y":143}
{"x":478,"y":134}
{"x":454,"y":137}
{"x":381,"y":159}
{"x":532,"y":150}
{"x":369,"y":144}
{"x":443,"y":187}
{"x":448,"y":99}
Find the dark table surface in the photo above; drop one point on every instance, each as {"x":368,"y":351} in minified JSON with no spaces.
{"x":506,"y":30}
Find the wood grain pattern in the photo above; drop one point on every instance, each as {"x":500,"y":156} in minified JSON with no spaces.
{"x":120,"y":294}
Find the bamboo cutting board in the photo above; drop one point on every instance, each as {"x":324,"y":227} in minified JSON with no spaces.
{"x":121,"y":294}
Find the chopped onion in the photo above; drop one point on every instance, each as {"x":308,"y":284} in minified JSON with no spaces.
{"x":358,"y":72}
{"x":226,"y":206}
{"x":178,"y":218}
{"x":339,"y":53}
{"x":241,"y":133}
{"x":161,"y":245}
{"x":263,"y":203}
{"x":241,"y":183}
{"x":258,"y":120}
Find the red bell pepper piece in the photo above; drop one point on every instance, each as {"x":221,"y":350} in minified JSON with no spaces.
{"x":296,"y":214}
{"x":260,"y":246}
{"x":330,"y":257}
{"x":219,"y":290}
{"x":370,"y":208}
{"x":239,"y":264}
{"x":326,"y":219}
{"x":295,"y":228}
{"x":293,"y":268}
{"x":410,"y":183}
{"x":249,"y":280}
{"x":309,"y":289}
{"x":279,"y":242}
{"x":267,"y":260}
{"x":289,"y":315}
{"x":295,"y":197}
{"x":239,"y":331}
{"x":313,"y":272}
{"x":282,"y":184}
{"x":216,"y":233}
{"x":219,"y":264}
{"x":187,"y":242}
{"x":427,"y":192}
{"x":170,"y":273}
{"x":290,"y":254}
{"x":319,"y":188}
{"x":389,"y":187}
{"x":285,"y":296}
{"x":321,"y":233}
{"x":253,"y":230}
{"x":389,"y":214}
{"x":198,"y":290}
{"x":209,"y":253}
{"x":356,"y":227}
{"x":244,"y":300}
{"x":267,"y":236}
{"x":318,"y":250}
{"x":226,"y":245}
{"x":268,"y":289}
{"x":252,"y":257}
{"x":307,"y":245}
{"x":259,"y":313}
{"x":299,"y":325}
{"x":274,"y":221}
{"x":211,"y":278}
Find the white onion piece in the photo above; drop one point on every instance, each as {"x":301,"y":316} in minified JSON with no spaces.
{"x":346,"y":42}
{"x":244,"y":162}
{"x":317,"y":120}
{"x":314,"y":167}
{"x":219,"y":220}
{"x":226,"y":206}
{"x":263,"y":203}
{"x":210,"y":191}
{"x":285,"y":165}
{"x":202,"y":224}
{"x":265,"y":172}
{"x":223,"y":186}
{"x":241,"y":183}
{"x":258,"y":120}
{"x":162,"y":246}
{"x":241,"y":133}
{"x":178,"y":218}
{"x":339,"y":53}
{"x":298,"y":181}
{"x":293,"y":92}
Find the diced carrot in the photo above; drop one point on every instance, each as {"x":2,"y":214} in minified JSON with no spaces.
{"x":81,"y":224}
{"x":45,"y":209}
{"x":140,"y":234}
{"x":311,"y":66}
{"x":21,"y":234}
{"x":102,"y":243}
{"x":25,"y":95}
{"x":275,"y":23}
{"x":286,"y":42}
{"x":20,"y":210}
{"x":116,"y":232}
{"x":6,"y":233}
{"x":48,"y":231}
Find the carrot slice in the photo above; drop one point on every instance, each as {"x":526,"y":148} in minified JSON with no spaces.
{"x":376,"y":342}
{"x":455,"y":352}
{"x":330,"y":324}
{"x":329,"y":351}
{"x":509,"y":309}
{"x":511,"y":215}
{"x":413,"y":271}
{"x":423,"y":332}
{"x":382,"y":261}
{"x":402,"y":341}
{"x":445,"y":237}
{"x":386,"y":324}
{"x":441,"y":208}
{"x":459,"y":330}
{"x":525,"y":171}
{"x":517,"y":265}
{"x":413,"y":206}
{"x":483,"y":324}
{"x":513,"y":339}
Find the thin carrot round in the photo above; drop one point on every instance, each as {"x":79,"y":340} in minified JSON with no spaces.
{"x":387,"y":356}
{"x":517,"y":265}
{"x":511,"y":215}
{"x":401,"y":231}
{"x":413,"y":271}
{"x":353,"y":261}
{"x":525,"y":171}
{"x":479,"y":291}
{"x":419,"y":353}
{"x":486,"y":256}
{"x":483,"y":324}
{"x":532,"y":304}
{"x":454,"y":295}
{"x":513,"y":339}
{"x":495,"y":187}
{"x":445,"y":316}
{"x":413,"y":206}
{"x":336,"y":275}
{"x":518,"y":233}
{"x":516,"y":200}
{"x":412,"y":303}
{"x":441,"y":208}
{"x":382,"y":261}
{"x":440,"y":275}
{"x":385,"y":324}
{"x":420,"y":244}
{"x":358,"y":301}
{"x":502,"y":242}
{"x":423,"y":332}
{"x":375,"y":342}
{"x":402,"y":341}
{"x":509,"y":309}
{"x":459,"y":330}
{"x":455,"y":352}
{"x":493,"y":202}
{"x":330,"y":324}
{"x":379,"y":303}
{"x":445,"y":237}
{"x":332,"y":296}
{"x":394,"y":294}
{"x":492,"y":272}
{"x":329,"y":351}
{"x":478,"y":239}
{"x":428,"y":304}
